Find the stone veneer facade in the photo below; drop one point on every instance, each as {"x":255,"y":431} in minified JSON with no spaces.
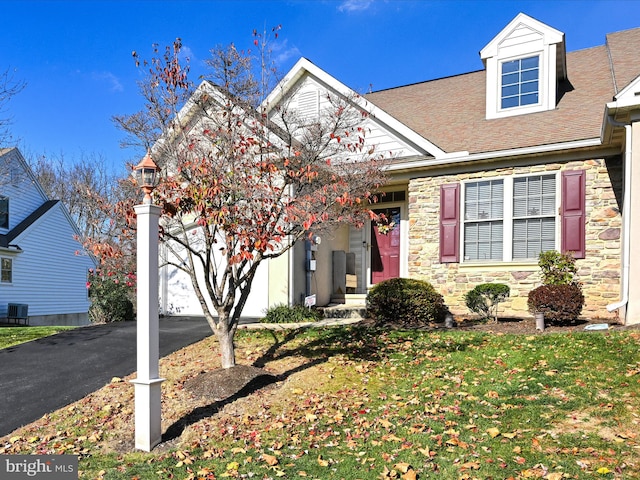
{"x":599,"y":272}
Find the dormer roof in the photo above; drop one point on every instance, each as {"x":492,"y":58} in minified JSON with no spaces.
{"x":525,"y":33}
{"x":451,"y":113}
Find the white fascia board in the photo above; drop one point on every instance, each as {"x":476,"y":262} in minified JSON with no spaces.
{"x":629,"y":96}
{"x":528,"y":151}
{"x":303,"y":66}
{"x":10,"y":251}
{"x":549,"y":34}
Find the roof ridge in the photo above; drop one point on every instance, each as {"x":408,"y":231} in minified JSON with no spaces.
{"x":424,"y":81}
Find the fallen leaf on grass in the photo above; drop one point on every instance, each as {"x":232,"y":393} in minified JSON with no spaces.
{"x":554,"y":476}
{"x":493,"y":432}
{"x":270,"y":459}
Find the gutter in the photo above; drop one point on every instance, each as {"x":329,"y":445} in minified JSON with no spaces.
{"x":626,"y":217}
{"x":465,"y":157}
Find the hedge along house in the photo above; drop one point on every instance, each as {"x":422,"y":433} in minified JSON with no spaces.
{"x":532,"y":153}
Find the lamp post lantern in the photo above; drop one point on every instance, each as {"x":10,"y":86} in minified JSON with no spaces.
{"x":148,"y":429}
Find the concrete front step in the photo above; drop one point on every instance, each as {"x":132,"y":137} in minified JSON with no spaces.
{"x":341,"y":311}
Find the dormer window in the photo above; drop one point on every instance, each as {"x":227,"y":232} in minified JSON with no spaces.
{"x":520,"y":82}
{"x":524,"y":63}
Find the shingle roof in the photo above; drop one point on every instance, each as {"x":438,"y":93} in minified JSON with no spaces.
{"x":450,"y":112}
{"x":624,"y":50}
{"x":5,"y":240}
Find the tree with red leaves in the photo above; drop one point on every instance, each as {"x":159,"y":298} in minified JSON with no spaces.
{"x":244,"y":180}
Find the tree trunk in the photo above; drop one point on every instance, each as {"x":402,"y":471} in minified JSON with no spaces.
{"x":225,"y":341}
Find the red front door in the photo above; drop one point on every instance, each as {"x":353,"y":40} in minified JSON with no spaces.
{"x":385,"y":246}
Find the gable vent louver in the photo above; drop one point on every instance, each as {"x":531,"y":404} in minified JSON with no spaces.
{"x":308,"y":104}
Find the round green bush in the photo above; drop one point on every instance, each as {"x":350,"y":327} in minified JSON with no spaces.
{"x":405,"y":302}
{"x":484,"y":299}
{"x":559,"y":303}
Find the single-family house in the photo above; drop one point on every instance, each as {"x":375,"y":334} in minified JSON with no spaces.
{"x":533,"y":152}
{"x":44,"y":268}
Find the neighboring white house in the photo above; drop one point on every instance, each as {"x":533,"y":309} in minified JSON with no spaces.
{"x":43,"y":265}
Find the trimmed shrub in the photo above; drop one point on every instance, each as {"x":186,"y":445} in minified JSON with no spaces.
{"x":295,"y":314}
{"x":405,"y":302}
{"x":557,"y":268}
{"x":560,"y":297}
{"x":559,"y":303}
{"x":484,"y":299}
{"x":110,"y":300}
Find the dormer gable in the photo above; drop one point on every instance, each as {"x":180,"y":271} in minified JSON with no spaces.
{"x":524,"y":64}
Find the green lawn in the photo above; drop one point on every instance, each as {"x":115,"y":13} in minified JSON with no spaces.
{"x":358,"y":403}
{"x":10,"y":336}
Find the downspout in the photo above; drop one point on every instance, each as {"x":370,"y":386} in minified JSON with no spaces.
{"x":626,"y":217}
{"x":291,"y":274}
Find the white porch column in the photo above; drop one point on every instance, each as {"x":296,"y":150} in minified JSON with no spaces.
{"x":147,"y":384}
{"x":632,"y":314}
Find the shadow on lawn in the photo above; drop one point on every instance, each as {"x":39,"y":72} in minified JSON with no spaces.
{"x":355,"y":342}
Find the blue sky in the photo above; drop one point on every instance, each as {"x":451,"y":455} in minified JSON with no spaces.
{"x":75,"y":56}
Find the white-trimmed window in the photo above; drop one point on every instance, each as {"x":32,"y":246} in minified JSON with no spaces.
{"x":6,"y":270}
{"x":483,"y":220}
{"x":4,"y":212}
{"x":511,"y":218}
{"x":534,"y":215}
{"x":520,"y":82}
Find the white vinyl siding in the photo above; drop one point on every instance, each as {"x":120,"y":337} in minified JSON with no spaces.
{"x":50,"y":273}
{"x":311,"y":98}
{"x":513,"y":218}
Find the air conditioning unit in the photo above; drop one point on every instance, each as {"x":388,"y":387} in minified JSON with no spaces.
{"x":18,"y":311}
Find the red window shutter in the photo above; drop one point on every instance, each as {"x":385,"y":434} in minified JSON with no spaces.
{"x":573,"y":212}
{"x":450,"y":223}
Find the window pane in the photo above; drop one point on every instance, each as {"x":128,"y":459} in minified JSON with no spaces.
{"x":532,"y":236}
{"x":513,"y":66}
{"x":5,"y":270}
{"x":4,"y":212}
{"x":484,"y":200}
{"x":530,"y":87}
{"x":510,"y":102}
{"x":523,"y":74}
{"x":531,"y":62}
{"x":510,"y":91}
{"x":483,"y":241}
{"x":511,"y":79}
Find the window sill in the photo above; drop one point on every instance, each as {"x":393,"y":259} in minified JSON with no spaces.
{"x":526,"y":265}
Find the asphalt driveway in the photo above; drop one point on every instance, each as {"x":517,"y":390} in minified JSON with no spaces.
{"x":41,"y":376}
